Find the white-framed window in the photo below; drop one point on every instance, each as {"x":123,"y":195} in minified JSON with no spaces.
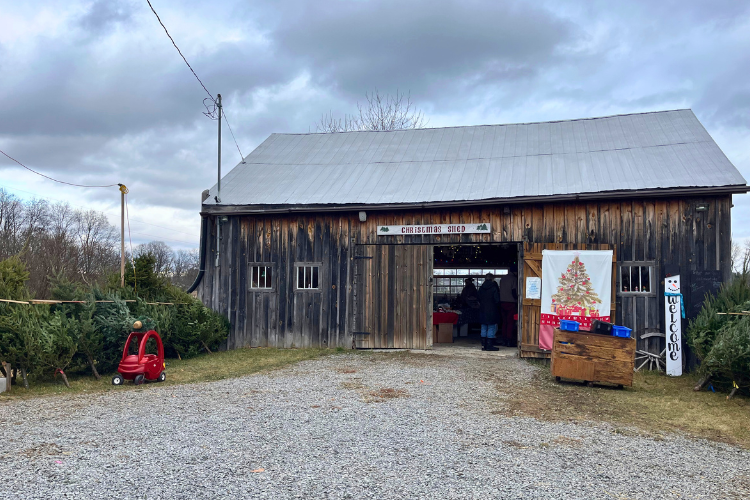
{"x":307,"y":276}
{"x":450,"y":282}
{"x":637,"y":278}
{"x":261,"y":276}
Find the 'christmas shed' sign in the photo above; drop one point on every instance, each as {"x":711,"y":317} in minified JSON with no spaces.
{"x":576,"y":285}
{"x":415,"y":230}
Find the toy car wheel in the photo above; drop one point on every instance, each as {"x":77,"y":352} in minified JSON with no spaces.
{"x":138,"y":380}
{"x":117,"y":380}
{"x":162,"y":377}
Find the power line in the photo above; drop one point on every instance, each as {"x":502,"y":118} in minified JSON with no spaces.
{"x":52,"y":179}
{"x":210,"y":109}
{"x":179,"y":51}
{"x":235,"y":140}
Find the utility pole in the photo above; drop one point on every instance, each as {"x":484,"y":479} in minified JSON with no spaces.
{"x":218,"y":186}
{"x":123,"y":192}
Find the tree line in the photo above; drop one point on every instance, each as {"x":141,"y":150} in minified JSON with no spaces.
{"x":81,"y":245}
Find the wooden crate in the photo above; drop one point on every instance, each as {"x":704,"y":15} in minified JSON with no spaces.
{"x":443,"y":334}
{"x":593,"y":358}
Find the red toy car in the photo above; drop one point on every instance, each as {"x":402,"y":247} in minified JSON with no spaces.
{"x":140,"y":367}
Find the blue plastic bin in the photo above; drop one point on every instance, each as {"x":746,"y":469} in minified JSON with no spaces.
{"x":570,"y":326}
{"x":621,"y":331}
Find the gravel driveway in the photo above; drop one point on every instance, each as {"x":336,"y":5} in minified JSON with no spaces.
{"x":344,"y":426}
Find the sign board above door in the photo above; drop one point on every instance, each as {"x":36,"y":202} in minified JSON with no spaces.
{"x":472,"y":228}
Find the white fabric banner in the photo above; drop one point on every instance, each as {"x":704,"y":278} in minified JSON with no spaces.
{"x":576,"y":285}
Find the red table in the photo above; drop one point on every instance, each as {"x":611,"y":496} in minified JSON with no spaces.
{"x":438,"y":317}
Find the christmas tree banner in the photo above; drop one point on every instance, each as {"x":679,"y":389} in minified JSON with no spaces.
{"x":576,"y":285}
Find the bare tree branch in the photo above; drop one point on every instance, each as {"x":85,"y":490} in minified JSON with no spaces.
{"x":380,"y":112}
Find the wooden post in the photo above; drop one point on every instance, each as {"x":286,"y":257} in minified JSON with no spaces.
{"x":123,"y":192}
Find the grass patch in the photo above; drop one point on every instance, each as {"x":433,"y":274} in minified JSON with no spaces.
{"x":204,"y":368}
{"x":655,"y":404}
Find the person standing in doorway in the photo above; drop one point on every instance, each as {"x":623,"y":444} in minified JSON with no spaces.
{"x":489,"y":298}
{"x":469,"y":295}
{"x":508,"y":306}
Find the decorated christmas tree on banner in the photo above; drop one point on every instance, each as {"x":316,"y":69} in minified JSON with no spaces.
{"x":575,"y":293}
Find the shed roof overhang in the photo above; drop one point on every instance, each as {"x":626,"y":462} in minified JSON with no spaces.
{"x":622,"y":194}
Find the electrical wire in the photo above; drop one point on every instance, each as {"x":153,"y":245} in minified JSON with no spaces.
{"x":178,"y":50}
{"x":211,"y":108}
{"x":52,"y":179}
{"x":235,"y":140}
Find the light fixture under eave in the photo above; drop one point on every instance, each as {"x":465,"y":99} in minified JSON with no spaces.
{"x":362,"y":216}
{"x":223,"y":218}
{"x":701,"y":207}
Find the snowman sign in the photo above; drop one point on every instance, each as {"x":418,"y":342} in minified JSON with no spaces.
{"x":674,"y":311}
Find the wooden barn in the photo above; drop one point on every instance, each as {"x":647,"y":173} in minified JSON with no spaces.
{"x":351,"y":239}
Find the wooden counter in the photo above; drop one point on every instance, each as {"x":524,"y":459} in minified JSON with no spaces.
{"x":593,"y":358}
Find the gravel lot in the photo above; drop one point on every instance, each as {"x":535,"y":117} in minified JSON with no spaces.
{"x":345,"y":426}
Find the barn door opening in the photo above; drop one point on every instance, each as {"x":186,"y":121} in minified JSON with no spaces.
{"x":459,"y":273}
{"x":393,"y":301}
{"x":531,"y":309}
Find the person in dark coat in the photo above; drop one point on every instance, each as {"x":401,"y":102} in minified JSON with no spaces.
{"x":470,"y":295}
{"x":489,"y":315}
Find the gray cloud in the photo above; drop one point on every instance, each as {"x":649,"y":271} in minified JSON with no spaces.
{"x":103,"y":15}
{"x":429,"y":47}
{"x":104,"y":95}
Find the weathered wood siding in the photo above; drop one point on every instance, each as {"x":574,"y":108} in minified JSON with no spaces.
{"x":663,"y":230}
{"x":392,"y":304}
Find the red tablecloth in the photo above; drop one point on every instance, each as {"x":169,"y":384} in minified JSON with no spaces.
{"x":438,"y":318}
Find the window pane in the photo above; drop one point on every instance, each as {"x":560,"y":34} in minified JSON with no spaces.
{"x":462,"y":272}
{"x":300,"y":277}
{"x":439,"y":272}
{"x":646,"y":278}
{"x":625,"y":279}
{"x":254,"y":280}
{"x":457,"y":281}
{"x":450,"y":272}
{"x":315,"y":270}
{"x":268,"y":277}
{"x":476,"y":272}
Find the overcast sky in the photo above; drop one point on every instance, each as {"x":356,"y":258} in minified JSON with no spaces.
{"x":95,"y":93}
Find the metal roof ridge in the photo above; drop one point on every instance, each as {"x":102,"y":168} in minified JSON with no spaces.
{"x":479,"y":157}
{"x":488,"y":124}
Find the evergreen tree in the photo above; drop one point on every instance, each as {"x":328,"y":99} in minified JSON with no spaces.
{"x":113,"y":322}
{"x":19,"y":333}
{"x":58,"y":342}
{"x":89,"y":340}
{"x":20,"y":328}
{"x":144,"y":279}
{"x":575,"y":288}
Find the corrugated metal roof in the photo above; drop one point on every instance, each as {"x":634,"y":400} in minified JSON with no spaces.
{"x":646,"y":151}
